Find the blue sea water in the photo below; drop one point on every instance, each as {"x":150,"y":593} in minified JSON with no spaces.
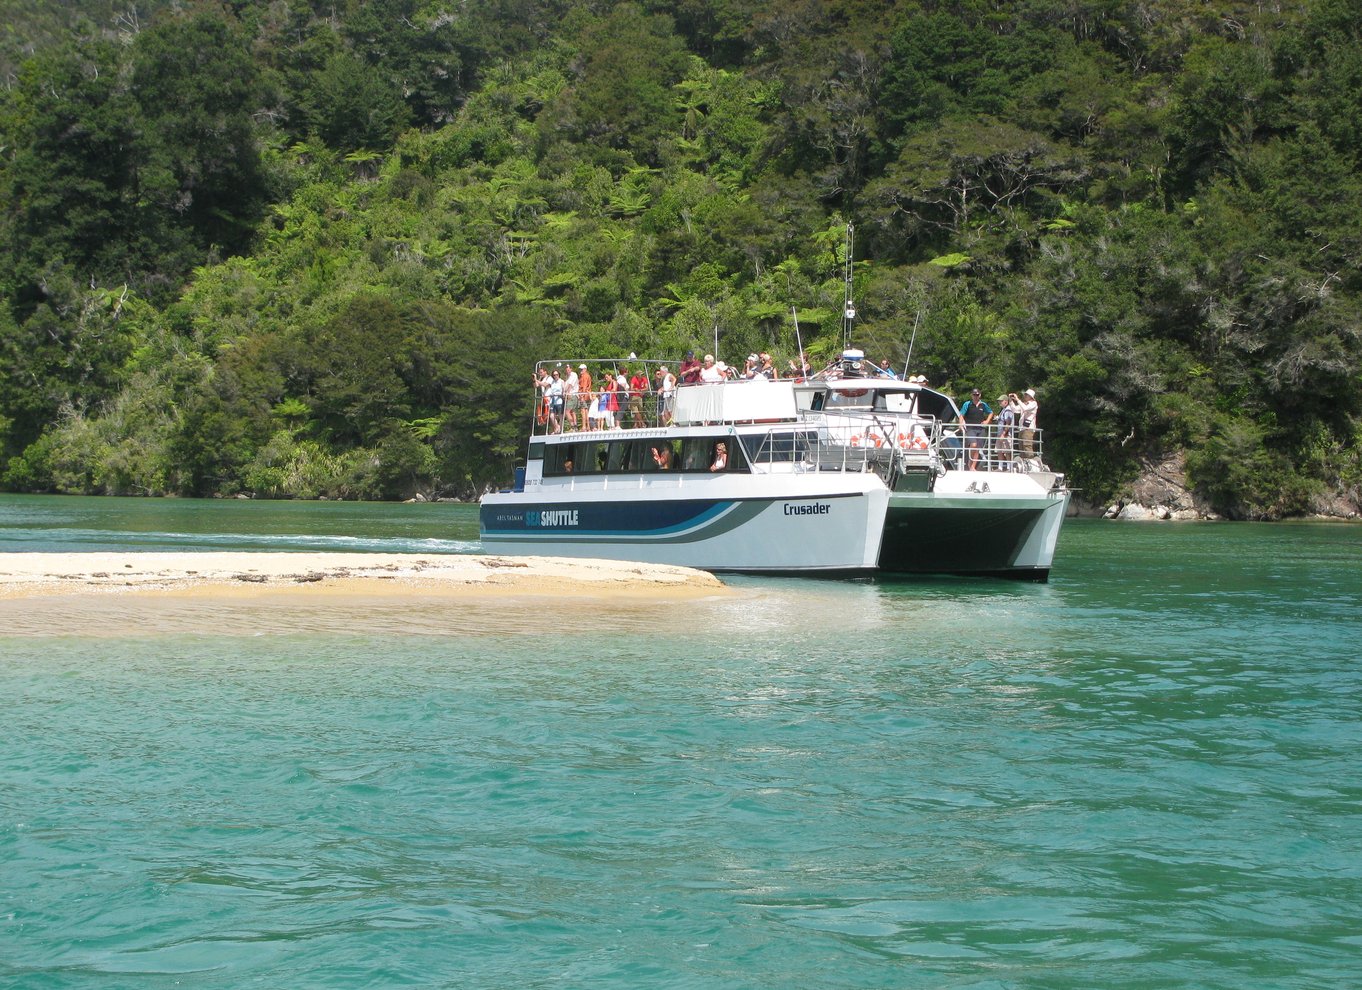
{"x":1142,"y":774}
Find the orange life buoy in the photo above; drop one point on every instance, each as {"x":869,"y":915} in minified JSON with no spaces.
{"x":855,"y":439}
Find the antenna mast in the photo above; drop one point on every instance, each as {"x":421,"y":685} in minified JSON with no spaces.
{"x":848,"y":306}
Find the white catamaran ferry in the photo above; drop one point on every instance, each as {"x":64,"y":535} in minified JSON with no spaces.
{"x":833,"y":475}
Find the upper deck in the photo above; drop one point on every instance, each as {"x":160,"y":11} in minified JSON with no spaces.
{"x":874,"y":416}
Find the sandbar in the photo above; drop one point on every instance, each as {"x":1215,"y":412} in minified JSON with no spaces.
{"x":227,"y":575}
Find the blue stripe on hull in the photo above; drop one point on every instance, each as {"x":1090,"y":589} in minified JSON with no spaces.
{"x":659,"y":519}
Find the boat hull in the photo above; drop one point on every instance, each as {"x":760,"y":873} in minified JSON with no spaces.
{"x":974,"y":535}
{"x":835,"y":531}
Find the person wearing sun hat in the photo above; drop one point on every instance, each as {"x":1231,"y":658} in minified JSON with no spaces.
{"x":1008,"y":407}
{"x":1028,"y":421}
{"x":975,"y":415}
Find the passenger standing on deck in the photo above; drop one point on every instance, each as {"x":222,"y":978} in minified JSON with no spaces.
{"x":555,"y":396}
{"x":689,"y":371}
{"x":542,"y":381}
{"x":610,"y":403}
{"x":710,"y":373}
{"x":975,"y":415}
{"x":666,"y":393}
{"x":766,"y":367}
{"x":1029,"y":423}
{"x":585,"y":398}
{"x":1008,"y":407}
{"x":570,"y":399}
{"x":638,"y":388}
{"x":621,"y":396}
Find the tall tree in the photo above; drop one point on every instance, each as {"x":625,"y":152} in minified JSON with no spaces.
{"x":202,"y":187}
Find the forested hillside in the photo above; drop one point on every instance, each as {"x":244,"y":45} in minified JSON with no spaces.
{"x":297,"y":249}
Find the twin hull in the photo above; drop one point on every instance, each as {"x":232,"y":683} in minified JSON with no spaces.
{"x":846,"y":523}
{"x":1010,"y":536}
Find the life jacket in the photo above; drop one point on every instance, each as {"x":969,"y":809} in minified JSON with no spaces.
{"x":976,"y":412}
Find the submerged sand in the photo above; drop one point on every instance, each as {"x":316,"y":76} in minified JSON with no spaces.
{"x":218,"y":575}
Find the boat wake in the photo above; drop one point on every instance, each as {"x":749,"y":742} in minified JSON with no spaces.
{"x":74,"y":540}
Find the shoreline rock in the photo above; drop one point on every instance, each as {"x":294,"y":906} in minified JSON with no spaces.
{"x":1161,"y":494}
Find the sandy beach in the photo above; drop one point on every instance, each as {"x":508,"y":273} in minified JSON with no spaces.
{"x":43,"y":575}
{"x":201,"y":593}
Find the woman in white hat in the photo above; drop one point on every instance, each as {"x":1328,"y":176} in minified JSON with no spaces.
{"x":1028,"y":423}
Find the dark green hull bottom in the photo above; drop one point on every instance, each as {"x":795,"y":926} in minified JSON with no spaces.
{"x":984,"y":542}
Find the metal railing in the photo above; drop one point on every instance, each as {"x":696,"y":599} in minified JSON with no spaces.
{"x":858,"y":439}
{"x":985,"y":448}
{"x":631,"y":409}
{"x":992,"y":448}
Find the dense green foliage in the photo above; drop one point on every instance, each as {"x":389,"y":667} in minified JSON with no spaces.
{"x":304,"y":249}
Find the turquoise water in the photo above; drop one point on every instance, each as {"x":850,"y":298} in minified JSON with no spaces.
{"x":75,"y":524}
{"x":1142,"y":774}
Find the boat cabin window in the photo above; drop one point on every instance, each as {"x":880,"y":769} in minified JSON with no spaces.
{"x":571,"y":458}
{"x":630,"y":456}
{"x":936,"y":405}
{"x":645,"y":456}
{"x":695,"y":453}
{"x":701,"y":454}
{"x":661,"y":455}
{"x":849,"y":398}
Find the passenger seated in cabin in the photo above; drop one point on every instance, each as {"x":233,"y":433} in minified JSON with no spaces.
{"x":662,"y":457}
{"x":720,"y":457}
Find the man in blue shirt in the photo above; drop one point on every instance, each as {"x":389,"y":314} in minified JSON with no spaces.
{"x":975,"y":415}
